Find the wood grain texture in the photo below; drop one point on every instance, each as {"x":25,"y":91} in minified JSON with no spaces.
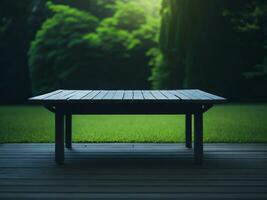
{"x":110,"y":95}
{"x":40,"y":97}
{"x":79,"y":95}
{"x":83,"y":96}
{"x":128,"y":95}
{"x":63,"y":95}
{"x":118,"y":95}
{"x":137,"y":95}
{"x":169,"y":95}
{"x":133,"y":171}
{"x":91,"y":95}
{"x":147,"y":95}
{"x":100,"y":95}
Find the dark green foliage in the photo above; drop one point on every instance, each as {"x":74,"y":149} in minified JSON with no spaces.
{"x":59,"y":49}
{"x":251,"y":24}
{"x":74,"y":49}
{"x":216,"y":45}
{"x":99,"y":8}
{"x":210,"y":45}
{"x":18,"y":22}
{"x":121,"y":45}
{"x":129,"y":16}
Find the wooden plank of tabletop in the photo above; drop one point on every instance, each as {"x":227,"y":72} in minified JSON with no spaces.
{"x":169,"y":95}
{"x":64,"y":95}
{"x":137,"y":95}
{"x":195,"y":95}
{"x":147,"y":95}
{"x":91,"y":95}
{"x":119,"y":95}
{"x":80,"y":94}
{"x":212,"y":96}
{"x":109,"y":95}
{"x":100,"y":95}
{"x":43,"y":96}
{"x":128,"y":95}
{"x":179,"y":94}
{"x":198,"y":94}
{"x":157,"y":94}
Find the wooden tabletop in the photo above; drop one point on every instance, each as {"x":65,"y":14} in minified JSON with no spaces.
{"x":66,"y":96}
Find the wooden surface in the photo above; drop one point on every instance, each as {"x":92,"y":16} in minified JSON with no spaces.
{"x":133,"y":171}
{"x":78,"y":102}
{"x":127,"y":95}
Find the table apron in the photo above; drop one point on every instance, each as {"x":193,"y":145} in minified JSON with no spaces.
{"x":103,"y":108}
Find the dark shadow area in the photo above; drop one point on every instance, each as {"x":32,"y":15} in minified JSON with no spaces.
{"x":133,"y":171}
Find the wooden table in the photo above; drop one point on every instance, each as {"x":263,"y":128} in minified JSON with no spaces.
{"x":65,"y":103}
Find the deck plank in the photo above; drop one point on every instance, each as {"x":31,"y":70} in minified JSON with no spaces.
{"x":133,"y":171}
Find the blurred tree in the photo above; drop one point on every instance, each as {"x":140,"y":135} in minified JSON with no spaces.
{"x":99,"y":8}
{"x":59,"y":50}
{"x":122,"y":41}
{"x":201,"y":47}
{"x":72,"y":51}
{"x":18,"y":23}
{"x":250,"y":23}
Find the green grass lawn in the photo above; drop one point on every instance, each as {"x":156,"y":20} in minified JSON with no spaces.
{"x":223,"y":123}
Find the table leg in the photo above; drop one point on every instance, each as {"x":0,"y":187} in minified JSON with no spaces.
{"x":198,"y":137}
{"x":68,"y":139}
{"x":59,"y":138}
{"x":188,"y":130}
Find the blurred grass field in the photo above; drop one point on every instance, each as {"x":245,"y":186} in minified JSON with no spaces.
{"x":223,"y":123}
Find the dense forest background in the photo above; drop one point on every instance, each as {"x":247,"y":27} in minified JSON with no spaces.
{"x":216,"y":45}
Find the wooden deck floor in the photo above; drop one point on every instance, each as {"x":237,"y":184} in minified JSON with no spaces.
{"x":133,"y":171}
